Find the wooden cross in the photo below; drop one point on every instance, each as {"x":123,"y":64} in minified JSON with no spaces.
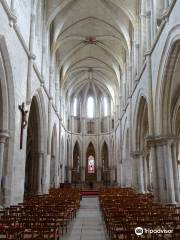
{"x":23,"y":122}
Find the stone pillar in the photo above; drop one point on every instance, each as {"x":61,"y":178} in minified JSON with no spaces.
{"x":51,"y":71}
{"x":145,"y":173}
{"x":112,"y":174}
{"x":12,"y":4}
{"x":69,"y":172}
{"x":155,"y":164}
{"x":138,"y":171}
{"x":143,"y":43}
{"x":166,"y":4}
{"x":120,"y":173}
{"x":56,"y":176}
{"x":137,"y":58}
{"x":83,"y":169}
{"x":99,"y":178}
{"x":41,"y":157}
{"x":161,"y":173}
{"x":141,"y":173}
{"x":32,"y":56}
{"x":3,"y":138}
{"x":167,"y":180}
{"x":56,"y":93}
{"x":169,"y":173}
{"x":32,"y":173}
{"x":175,"y":170}
{"x":149,"y":34}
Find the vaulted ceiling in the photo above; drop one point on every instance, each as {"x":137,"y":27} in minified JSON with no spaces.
{"x":91,"y":42}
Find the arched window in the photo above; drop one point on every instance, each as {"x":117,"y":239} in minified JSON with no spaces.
{"x":105,"y":103}
{"x":91,"y":164}
{"x":90,"y":107}
{"x":75,"y":107}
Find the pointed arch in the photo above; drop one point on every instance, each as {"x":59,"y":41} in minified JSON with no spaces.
{"x":90,"y":158}
{"x":53,"y":161}
{"x":142,"y":126}
{"x":33,"y":166}
{"x":7,"y":123}
{"x":105,"y":155}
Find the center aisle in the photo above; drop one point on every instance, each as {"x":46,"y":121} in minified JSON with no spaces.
{"x":88,"y":224}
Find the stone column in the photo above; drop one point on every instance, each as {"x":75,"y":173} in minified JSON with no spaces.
{"x":12,"y":4}
{"x":143,"y":39}
{"x":175,"y":170}
{"x":112,"y":174}
{"x":83,"y":174}
{"x":145,"y":173}
{"x":166,"y":4}
{"x":155,"y":164}
{"x":161,"y":173}
{"x":141,"y":173}
{"x":32,"y":56}
{"x":3,"y":138}
{"x":41,"y":157}
{"x":99,"y":179}
{"x":164,"y":163}
{"x":51,"y":71}
{"x":56,"y":93}
{"x":137,"y":58}
{"x":31,"y":173}
{"x":138,"y":171}
{"x":69,"y":174}
{"x":121,"y":173}
{"x":169,"y":172}
{"x":149,"y":34}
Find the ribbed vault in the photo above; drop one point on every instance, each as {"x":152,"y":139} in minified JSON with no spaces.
{"x":90,"y":42}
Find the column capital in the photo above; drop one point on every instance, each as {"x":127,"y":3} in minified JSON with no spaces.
{"x":161,"y":140}
{"x":136,"y":154}
{"x":148,"y":14}
{"x":51,"y":69}
{"x":4,"y":134}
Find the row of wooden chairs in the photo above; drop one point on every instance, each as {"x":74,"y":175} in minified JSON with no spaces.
{"x":124,"y":210}
{"x":40,"y":217}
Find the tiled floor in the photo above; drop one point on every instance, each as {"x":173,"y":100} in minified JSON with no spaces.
{"x":88,"y":224}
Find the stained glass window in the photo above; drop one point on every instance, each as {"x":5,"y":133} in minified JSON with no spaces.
{"x":105,"y":107}
{"x":75,"y":107}
{"x":90,"y":107}
{"x":91,"y":164}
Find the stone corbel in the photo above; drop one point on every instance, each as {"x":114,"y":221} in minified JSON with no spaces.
{"x":4,"y":135}
{"x":32,"y":56}
{"x":12,"y":19}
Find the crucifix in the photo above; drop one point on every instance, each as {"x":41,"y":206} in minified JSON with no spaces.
{"x":23,"y":122}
